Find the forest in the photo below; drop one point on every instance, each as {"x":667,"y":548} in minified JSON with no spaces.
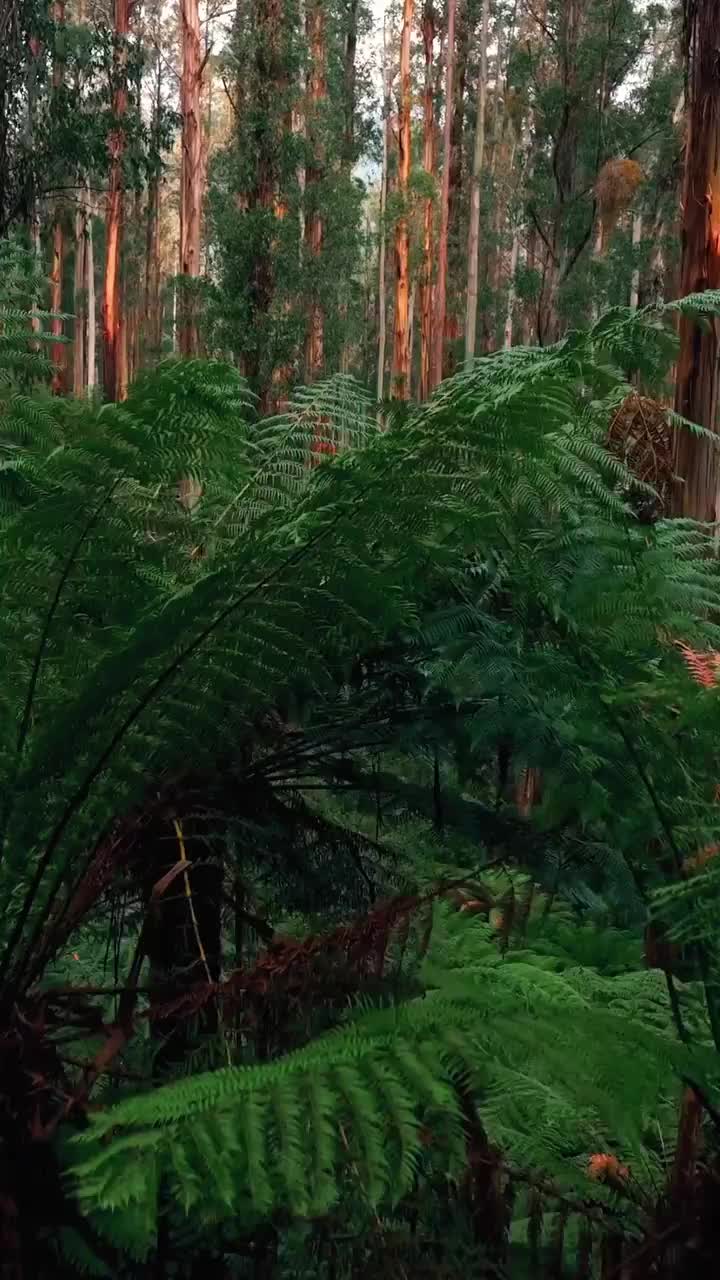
{"x":360,"y":628}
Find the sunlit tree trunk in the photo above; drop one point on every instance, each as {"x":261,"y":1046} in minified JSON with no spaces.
{"x":696,"y":389}
{"x":114,"y":373}
{"x":317,"y":95}
{"x":56,"y":289}
{"x":426,"y":275}
{"x":401,"y":344}
{"x":475,"y":194}
{"x":192,"y":171}
{"x":441,"y":288}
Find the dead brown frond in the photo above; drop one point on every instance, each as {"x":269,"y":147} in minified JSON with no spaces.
{"x":641,"y":437}
{"x":615,"y":188}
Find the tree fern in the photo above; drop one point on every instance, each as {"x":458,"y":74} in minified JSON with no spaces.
{"x":474,"y":568}
{"x":351,"y":1104}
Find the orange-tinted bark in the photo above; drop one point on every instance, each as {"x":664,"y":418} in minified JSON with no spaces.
{"x":696,"y":389}
{"x":401,"y":337}
{"x":114,"y":371}
{"x":192,"y":170}
{"x":56,"y":324}
{"x":426,"y":280}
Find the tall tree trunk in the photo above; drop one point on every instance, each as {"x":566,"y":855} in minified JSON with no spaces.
{"x":133,"y":310}
{"x":475,"y":195}
{"x":510,"y":310}
{"x":441,"y":288}
{"x":696,"y":389}
{"x":33,"y":61}
{"x":56,"y":289}
{"x":299,"y":128}
{"x":382,"y":252}
{"x":317,"y":95}
{"x":192,"y":171}
{"x":83,"y":248}
{"x":401,"y":345}
{"x":113,"y":363}
{"x":80,"y":301}
{"x":558,"y":262}
{"x":426,"y":279}
{"x":58,"y":236}
{"x":152,"y":309}
{"x":90,"y":356}
{"x":456,"y":267}
{"x":348,"y":153}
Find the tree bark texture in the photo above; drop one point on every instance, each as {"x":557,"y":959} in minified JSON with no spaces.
{"x":510,"y":311}
{"x":114,"y":374}
{"x":91,"y":345}
{"x":56,"y":289}
{"x":58,"y":237}
{"x":401,"y":344}
{"x":317,"y":95}
{"x":473,"y":266}
{"x":382,"y":249}
{"x":696,"y":388}
{"x":426,"y":279}
{"x":441,"y":288}
{"x":80,"y":302}
{"x":456,"y":265}
{"x":192,"y":170}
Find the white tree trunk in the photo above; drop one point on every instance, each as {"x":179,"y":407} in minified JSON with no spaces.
{"x":514,"y":253}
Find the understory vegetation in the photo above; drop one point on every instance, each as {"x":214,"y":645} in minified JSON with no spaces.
{"x":359,"y":808}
